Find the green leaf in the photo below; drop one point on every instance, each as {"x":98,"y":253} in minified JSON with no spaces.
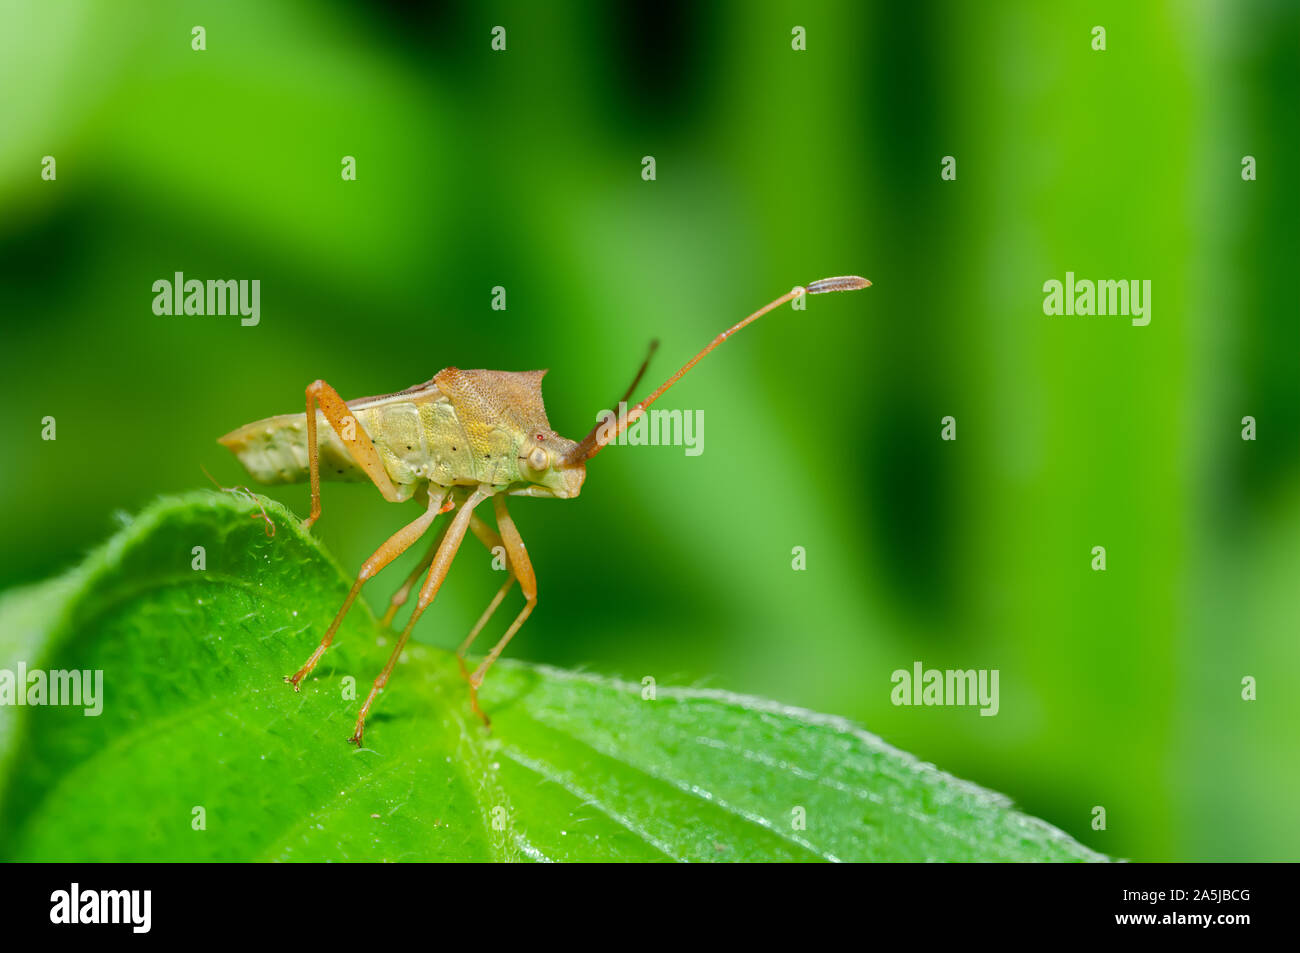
{"x":196,"y":716}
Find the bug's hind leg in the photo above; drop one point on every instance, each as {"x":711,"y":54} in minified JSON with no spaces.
{"x":521,"y":568}
{"x":355,"y":439}
{"x":393,"y":547}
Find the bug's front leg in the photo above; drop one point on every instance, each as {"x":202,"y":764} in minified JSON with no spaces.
{"x":437,"y":574}
{"x":491,"y":541}
{"x":521,"y":568}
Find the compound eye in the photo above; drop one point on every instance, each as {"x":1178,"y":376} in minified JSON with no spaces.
{"x":539,"y":459}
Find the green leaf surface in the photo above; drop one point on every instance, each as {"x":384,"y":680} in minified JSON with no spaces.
{"x":576,"y":767}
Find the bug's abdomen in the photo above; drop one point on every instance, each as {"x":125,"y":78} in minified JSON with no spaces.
{"x":419,"y":441}
{"x":449,"y":459}
{"x":274,"y":450}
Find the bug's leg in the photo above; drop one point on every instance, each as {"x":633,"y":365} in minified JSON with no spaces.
{"x":490,"y":540}
{"x":402,"y":594}
{"x":356,"y":440}
{"x":522,"y":568}
{"x":437,"y":573}
{"x":396,"y":544}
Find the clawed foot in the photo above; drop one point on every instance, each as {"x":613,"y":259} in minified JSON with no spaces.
{"x":356,"y":735}
{"x":473,"y":703}
{"x":295,"y":679}
{"x":473,"y":692}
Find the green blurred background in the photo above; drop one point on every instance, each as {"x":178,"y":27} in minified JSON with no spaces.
{"x":523,"y":169}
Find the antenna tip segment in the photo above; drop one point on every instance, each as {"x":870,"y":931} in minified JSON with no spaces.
{"x":841,"y":283}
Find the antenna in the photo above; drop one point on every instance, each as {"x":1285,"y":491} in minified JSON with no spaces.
{"x":603,"y":433}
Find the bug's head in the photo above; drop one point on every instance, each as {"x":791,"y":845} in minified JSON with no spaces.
{"x":544,"y":463}
{"x":497,"y":406}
